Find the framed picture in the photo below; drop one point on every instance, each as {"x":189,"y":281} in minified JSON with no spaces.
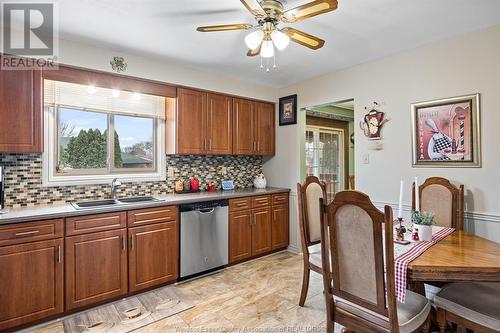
{"x":288,"y":110}
{"x":446,"y":132}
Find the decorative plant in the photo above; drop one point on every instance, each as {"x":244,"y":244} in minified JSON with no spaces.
{"x":118,"y":64}
{"x":422,"y":218}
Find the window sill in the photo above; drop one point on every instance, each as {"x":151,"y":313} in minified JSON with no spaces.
{"x":52,"y":181}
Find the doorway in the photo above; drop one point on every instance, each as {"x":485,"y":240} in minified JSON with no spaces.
{"x":329,"y":148}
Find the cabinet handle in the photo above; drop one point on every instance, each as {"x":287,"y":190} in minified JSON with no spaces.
{"x":210,"y":144}
{"x":131,"y":242}
{"x":58,"y":254}
{"x":123,"y":243}
{"x":258,"y":145}
{"x":27,"y":233}
{"x":274,"y":213}
{"x":254,"y":146}
{"x":241,"y":204}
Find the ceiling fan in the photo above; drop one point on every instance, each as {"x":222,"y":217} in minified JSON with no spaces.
{"x":267,"y":35}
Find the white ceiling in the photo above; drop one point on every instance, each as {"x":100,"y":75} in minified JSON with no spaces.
{"x":358,"y":31}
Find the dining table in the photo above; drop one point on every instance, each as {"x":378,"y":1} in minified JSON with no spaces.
{"x":460,"y":256}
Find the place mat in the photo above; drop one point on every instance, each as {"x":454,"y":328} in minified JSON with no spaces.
{"x":414,"y":251}
{"x":127,"y":314}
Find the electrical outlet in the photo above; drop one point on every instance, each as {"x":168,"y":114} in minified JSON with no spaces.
{"x":366,"y":159}
{"x":223,"y":170}
{"x":170,"y":172}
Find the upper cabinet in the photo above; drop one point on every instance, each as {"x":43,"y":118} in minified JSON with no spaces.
{"x":253,"y":128}
{"x":21,"y":111}
{"x":216,"y":124}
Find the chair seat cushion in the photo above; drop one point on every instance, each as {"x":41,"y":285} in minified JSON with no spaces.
{"x":315,"y":255}
{"x":411,"y":315}
{"x":478,"y":302}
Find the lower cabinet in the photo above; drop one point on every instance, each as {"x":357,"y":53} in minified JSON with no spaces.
{"x":256,"y":227}
{"x":261,"y":231}
{"x":280,"y":222}
{"x":31,"y":282}
{"x":96,"y":267}
{"x":153,"y":255}
{"x":240,"y":235}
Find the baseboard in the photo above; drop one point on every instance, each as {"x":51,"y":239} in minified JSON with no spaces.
{"x":294,"y":249}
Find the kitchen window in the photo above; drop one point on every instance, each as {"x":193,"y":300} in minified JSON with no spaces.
{"x":96,"y":134}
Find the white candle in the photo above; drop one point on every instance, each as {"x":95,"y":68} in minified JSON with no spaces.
{"x":417,"y":196}
{"x":400,"y":213}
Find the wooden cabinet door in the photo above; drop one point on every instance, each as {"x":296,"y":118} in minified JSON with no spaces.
{"x":153,"y":257}
{"x":264,"y":128}
{"x":191,"y":122}
{"x":240,"y":235}
{"x":261,"y":231}
{"x":20,"y":111}
{"x":31,"y":285}
{"x":279,"y":232}
{"x":96,"y":267}
{"x":243,"y":128}
{"x":219,"y":124}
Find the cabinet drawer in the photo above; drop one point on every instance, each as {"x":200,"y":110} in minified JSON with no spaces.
{"x":30,"y":232}
{"x":98,"y":222}
{"x":261,"y":201}
{"x":240,"y":204}
{"x":152,"y":215}
{"x":280,"y":198}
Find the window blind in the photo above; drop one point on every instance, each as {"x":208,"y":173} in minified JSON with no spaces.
{"x":103,"y":99}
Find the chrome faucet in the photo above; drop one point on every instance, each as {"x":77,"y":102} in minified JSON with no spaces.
{"x":114,"y":183}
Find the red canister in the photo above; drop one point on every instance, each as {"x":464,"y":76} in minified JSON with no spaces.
{"x":194,"y":184}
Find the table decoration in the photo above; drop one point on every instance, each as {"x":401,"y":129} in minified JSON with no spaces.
{"x":423,"y":221}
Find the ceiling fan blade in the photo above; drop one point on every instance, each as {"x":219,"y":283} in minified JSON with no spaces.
{"x":304,"y":39}
{"x":254,"y":52}
{"x":225,"y":27}
{"x":309,"y":10}
{"x":254,"y":7}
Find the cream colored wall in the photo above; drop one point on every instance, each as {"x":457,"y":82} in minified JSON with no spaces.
{"x":463,"y":65}
{"x":81,"y":55}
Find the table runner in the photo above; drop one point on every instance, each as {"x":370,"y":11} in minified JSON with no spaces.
{"x":402,"y":261}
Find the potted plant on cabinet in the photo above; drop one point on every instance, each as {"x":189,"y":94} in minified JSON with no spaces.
{"x":423,"y":221}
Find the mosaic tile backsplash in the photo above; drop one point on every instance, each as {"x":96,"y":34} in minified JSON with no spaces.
{"x":23,"y":179}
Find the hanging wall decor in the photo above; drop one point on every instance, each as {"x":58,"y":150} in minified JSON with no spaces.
{"x":446,"y":132}
{"x":288,"y":110}
{"x":372,"y":122}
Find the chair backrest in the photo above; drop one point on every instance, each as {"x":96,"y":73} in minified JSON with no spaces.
{"x":445,"y":200}
{"x":353,"y":229}
{"x":308,"y":195}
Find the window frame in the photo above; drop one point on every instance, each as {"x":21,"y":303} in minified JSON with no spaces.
{"x":98,"y":176}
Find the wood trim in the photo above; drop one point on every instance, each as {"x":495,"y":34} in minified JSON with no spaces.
{"x":73,"y":74}
{"x":335,"y":124}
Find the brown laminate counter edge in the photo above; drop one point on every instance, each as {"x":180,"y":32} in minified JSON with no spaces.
{"x":67,"y":210}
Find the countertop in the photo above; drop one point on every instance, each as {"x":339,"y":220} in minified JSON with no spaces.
{"x":66,"y":210}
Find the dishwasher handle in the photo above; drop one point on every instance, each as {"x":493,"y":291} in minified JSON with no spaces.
{"x":206,"y":211}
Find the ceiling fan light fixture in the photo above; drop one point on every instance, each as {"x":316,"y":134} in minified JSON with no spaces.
{"x":267,"y":50}
{"x":280,"y":39}
{"x":254,"y":39}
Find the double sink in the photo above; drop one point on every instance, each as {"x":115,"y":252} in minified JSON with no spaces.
{"x":113,"y":202}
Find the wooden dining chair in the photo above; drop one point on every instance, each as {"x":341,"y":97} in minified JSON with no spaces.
{"x":473,"y":305}
{"x":309,"y":194}
{"x":445,"y":200}
{"x":360,"y":294}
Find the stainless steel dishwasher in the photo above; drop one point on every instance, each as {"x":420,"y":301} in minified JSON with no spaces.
{"x":204,"y":237}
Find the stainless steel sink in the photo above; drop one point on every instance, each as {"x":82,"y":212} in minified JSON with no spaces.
{"x":138,"y":199}
{"x":112,"y":202}
{"x":95,"y":203}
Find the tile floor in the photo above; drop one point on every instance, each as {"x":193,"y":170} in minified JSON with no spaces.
{"x":257,"y":296}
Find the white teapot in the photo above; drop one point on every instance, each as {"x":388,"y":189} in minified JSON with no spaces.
{"x":260,"y":181}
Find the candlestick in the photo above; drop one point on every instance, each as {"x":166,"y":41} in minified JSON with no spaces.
{"x":417,"y":196}
{"x":400,"y":213}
